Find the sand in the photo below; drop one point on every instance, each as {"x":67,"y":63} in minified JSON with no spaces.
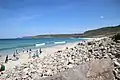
{"x":24,"y":57}
{"x":56,"y":59}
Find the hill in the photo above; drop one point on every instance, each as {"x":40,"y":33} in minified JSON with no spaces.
{"x":101,"y":32}
{"x":105,"y":31}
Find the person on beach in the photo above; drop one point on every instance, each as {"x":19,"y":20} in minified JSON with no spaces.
{"x":17,"y":56}
{"x":23,"y":50}
{"x":40,"y":51}
{"x":37,"y":53}
{"x":2,"y":68}
{"x":34,"y":56}
{"x":16,"y":52}
{"x":30,"y":51}
{"x":6,"y":60}
{"x":14,"y":55}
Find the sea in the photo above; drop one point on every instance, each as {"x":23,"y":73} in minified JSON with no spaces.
{"x":9,"y":46}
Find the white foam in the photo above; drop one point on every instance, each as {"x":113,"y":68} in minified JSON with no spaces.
{"x":62,"y":42}
{"x":42,"y":44}
{"x":72,"y":38}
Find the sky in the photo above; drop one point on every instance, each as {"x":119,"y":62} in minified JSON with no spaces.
{"x":20,"y":18}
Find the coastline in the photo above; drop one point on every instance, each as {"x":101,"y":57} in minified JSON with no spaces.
{"x":20,"y":44}
{"x":58,"y":58}
{"x":23,"y":58}
{"x":46,"y":51}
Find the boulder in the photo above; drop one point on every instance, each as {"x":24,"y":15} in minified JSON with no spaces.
{"x":85,"y":71}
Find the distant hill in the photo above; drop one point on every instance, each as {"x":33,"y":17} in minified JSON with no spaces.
{"x":101,"y":32}
{"x":105,"y":31}
{"x":56,"y":36}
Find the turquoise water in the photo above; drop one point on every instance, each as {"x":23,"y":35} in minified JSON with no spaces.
{"x":8,"y":46}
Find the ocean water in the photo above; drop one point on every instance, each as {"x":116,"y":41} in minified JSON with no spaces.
{"x":8,"y":46}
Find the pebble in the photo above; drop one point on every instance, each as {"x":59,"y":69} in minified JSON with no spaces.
{"x":68,"y":58}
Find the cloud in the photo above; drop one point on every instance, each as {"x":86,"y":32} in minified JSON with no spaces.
{"x":101,"y":17}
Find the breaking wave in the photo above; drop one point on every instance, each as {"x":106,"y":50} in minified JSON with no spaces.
{"x":42,"y":44}
{"x":62,"y":42}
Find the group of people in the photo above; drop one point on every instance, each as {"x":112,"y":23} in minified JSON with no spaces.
{"x":15,"y":56}
{"x":34,"y":54}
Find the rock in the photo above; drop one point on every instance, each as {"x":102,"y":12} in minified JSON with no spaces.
{"x":71,"y":48}
{"x":100,"y":44}
{"x":89,"y":43}
{"x":116,"y":37}
{"x":116,"y":75}
{"x":117,"y":55}
{"x":70,"y":66}
{"x":90,"y":50}
{"x":69,"y":63}
{"x":67,"y":59}
{"x":59,"y":51}
{"x":25,"y":76}
{"x":116,"y":63}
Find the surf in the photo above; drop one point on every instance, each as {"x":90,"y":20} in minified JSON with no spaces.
{"x":62,"y":42}
{"x":42,"y":44}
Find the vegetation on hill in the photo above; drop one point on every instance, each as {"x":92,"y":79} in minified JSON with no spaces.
{"x":101,"y":32}
{"x":106,"y":31}
{"x":55,"y":36}
{"x":116,"y":37}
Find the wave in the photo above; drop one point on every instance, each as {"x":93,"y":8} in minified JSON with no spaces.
{"x":62,"y":42}
{"x":20,"y":46}
{"x":72,"y":38}
{"x":42,"y":44}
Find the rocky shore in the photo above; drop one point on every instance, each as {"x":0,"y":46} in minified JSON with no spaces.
{"x":62,"y":60}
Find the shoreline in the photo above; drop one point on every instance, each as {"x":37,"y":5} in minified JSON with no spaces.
{"x":35,"y":46}
{"x":46,"y":51}
{"x":59,"y":58}
{"x":23,"y":59}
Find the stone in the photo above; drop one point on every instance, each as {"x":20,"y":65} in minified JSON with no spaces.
{"x":90,"y":50}
{"x":116,"y":63}
{"x":89,"y":43}
{"x":68,"y":59}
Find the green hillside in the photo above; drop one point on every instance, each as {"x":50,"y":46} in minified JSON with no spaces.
{"x":57,"y":36}
{"x":101,"y":32}
{"x":105,"y":31}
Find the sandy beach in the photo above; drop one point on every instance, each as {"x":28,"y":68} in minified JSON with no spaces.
{"x":60,"y":58}
{"x":24,"y":57}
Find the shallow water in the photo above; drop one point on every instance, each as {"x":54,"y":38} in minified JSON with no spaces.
{"x":8,"y":46}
